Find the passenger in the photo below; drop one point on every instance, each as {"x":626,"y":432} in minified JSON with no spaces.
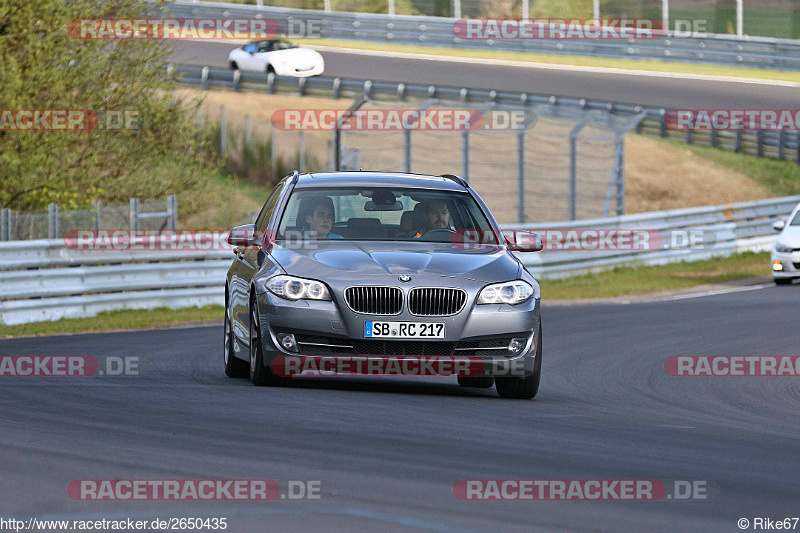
{"x":319,"y":218}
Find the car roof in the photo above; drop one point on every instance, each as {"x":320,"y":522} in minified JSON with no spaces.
{"x":378,"y":179}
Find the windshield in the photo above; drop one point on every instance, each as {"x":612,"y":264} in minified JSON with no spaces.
{"x":385,"y":214}
{"x":796,"y":220}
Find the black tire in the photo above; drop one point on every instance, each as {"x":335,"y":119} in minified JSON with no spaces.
{"x":523,"y":388}
{"x":270,"y":70}
{"x":260,"y":374}
{"x":783,"y":281}
{"x":476,"y":382}
{"x":234,"y":66}
{"x":234,"y":367}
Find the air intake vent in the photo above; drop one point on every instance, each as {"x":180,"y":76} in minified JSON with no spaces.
{"x":374,"y":300}
{"x":436,"y":302}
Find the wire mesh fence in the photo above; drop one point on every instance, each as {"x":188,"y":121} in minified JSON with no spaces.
{"x":56,"y":223}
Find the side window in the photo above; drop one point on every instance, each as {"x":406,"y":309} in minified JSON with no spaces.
{"x":266,"y":213}
{"x":251,"y":48}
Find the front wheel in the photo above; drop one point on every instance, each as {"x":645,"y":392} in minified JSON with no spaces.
{"x":260,"y":375}
{"x":234,"y":367}
{"x":527,"y":387}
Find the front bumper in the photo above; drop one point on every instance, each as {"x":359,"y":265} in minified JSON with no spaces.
{"x":321,"y":326}
{"x":789,"y":261}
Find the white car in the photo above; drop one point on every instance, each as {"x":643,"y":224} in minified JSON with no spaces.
{"x":786,"y":252}
{"x":278,"y":56}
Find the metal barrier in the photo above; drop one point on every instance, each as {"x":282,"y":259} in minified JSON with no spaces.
{"x":775,"y":144}
{"x":33,"y":288}
{"x":438,"y":31}
{"x":725,"y":229}
{"x":56,"y":222}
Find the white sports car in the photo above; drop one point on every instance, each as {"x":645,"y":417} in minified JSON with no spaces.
{"x":786,"y":252}
{"x":278,"y":56}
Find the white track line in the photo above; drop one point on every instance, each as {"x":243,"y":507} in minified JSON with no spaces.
{"x":714,"y":293}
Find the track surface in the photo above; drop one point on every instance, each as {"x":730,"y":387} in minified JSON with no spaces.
{"x":645,"y":90}
{"x":388,"y":451}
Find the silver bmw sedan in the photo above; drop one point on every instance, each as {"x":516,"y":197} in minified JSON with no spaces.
{"x":410,"y":272}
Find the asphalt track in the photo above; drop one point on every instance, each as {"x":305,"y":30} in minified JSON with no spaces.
{"x":652,"y":90}
{"x":388,"y":451}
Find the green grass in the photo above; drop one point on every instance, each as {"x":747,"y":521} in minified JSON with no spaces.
{"x":630,"y":64}
{"x":119,"y":320}
{"x":781,"y":178}
{"x":647,"y":279}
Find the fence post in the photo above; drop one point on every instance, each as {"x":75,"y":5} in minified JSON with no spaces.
{"x":172,"y":211}
{"x":97,"y":215}
{"x":781,"y":140}
{"x":222,"y":131}
{"x":407,"y":149}
{"x":759,"y":143}
{"x":621,"y":175}
{"x":302,"y":152}
{"x":133,"y":213}
{"x":712,"y":138}
{"x":5,"y":224}
{"x":465,"y":154}
{"x":198,"y":118}
{"x":738,"y":142}
{"x":456,"y":9}
{"x":274,"y":153}
{"x":391,"y":8}
{"x":521,"y":176}
{"x":52,"y":221}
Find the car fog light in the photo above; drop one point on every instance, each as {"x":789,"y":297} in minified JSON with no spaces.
{"x":777,"y":266}
{"x":287,"y":341}
{"x":516,"y":346}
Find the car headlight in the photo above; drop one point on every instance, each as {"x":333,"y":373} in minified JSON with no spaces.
{"x":780,"y":247}
{"x":293,"y":288}
{"x":511,"y":292}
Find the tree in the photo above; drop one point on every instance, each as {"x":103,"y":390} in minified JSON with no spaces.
{"x":43,"y":68}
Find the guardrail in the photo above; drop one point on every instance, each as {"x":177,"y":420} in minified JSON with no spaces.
{"x":438,"y":31}
{"x":722,"y":230}
{"x":775,"y":144}
{"x":47,"y":279}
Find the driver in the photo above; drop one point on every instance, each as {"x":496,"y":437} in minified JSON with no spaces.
{"x":435,"y":215}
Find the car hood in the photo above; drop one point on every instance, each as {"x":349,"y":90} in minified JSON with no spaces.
{"x":790,"y":236}
{"x":355,"y":260}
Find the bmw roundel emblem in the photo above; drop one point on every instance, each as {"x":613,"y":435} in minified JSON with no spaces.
{"x":404,"y":278}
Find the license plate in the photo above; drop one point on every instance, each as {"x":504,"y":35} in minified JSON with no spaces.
{"x":404,"y":330}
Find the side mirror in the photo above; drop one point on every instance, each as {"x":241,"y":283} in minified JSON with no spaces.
{"x":778,"y":225}
{"x":243,"y":236}
{"x":524,"y":241}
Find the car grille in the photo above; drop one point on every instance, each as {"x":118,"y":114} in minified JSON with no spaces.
{"x":372,"y":347}
{"x":320,"y":345}
{"x":487,"y":347}
{"x":436,"y":302}
{"x":314,"y":345}
{"x":374,"y":300}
